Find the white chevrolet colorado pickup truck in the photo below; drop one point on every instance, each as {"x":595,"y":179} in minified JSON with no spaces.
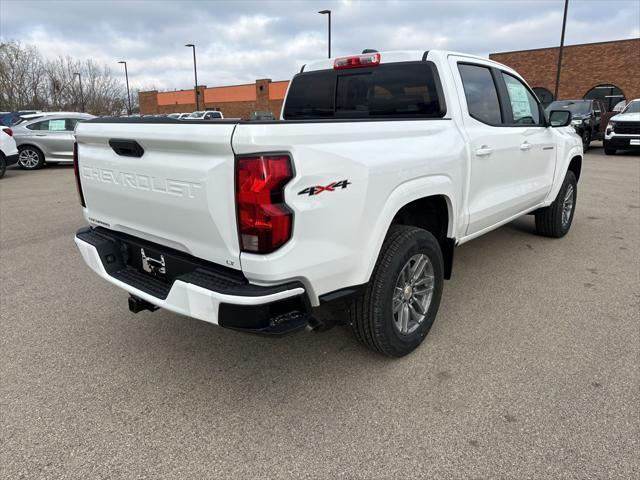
{"x":380,"y":165}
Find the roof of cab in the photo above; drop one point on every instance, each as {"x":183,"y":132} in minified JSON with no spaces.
{"x":392,"y":56}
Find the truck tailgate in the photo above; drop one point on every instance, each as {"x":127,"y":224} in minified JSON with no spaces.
{"x":179,"y":192}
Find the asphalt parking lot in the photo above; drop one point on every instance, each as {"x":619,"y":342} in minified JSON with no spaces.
{"x":531,"y":369}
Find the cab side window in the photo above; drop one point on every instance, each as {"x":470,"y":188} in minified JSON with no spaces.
{"x":481,"y":93}
{"x":524,"y":106}
{"x":71,"y":123}
{"x":44,"y":125}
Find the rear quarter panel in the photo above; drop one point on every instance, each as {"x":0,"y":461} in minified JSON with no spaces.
{"x":337,"y":234}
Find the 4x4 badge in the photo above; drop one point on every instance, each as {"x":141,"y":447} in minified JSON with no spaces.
{"x":318,"y":189}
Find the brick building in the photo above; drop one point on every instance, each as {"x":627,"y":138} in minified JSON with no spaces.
{"x":235,"y":101}
{"x":607,"y":70}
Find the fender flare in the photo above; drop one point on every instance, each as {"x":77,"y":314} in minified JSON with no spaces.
{"x":402,"y":195}
{"x":561,"y":172}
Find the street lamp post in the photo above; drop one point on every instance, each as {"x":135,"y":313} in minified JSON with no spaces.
{"x":126,"y":76}
{"x":564,"y":26}
{"x":81,"y":94}
{"x":328,"y":12}
{"x":195,"y":73}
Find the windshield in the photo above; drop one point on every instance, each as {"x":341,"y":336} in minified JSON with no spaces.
{"x":196,"y":115}
{"x":576,"y":107}
{"x":633,"y":107}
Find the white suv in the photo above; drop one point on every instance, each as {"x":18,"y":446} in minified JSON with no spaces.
{"x":623,"y":130}
{"x":8,"y":149}
{"x":204,"y":115}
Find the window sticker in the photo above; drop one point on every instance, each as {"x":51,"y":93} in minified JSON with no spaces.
{"x":519,"y":100}
{"x":56,"y":125}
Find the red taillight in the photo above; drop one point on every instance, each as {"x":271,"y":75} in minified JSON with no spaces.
{"x":357,"y":61}
{"x":8,"y":131}
{"x":76,"y":172}
{"x":264,"y":220}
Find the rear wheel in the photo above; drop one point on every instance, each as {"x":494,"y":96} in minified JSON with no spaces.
{"x":555,"y":220}
{"x":3,"y":165}
{"x":30,"y":158}
{"x":400,"y":303}
{"x":586,"y":140}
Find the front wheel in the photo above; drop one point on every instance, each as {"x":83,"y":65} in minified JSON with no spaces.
{"x":401,"y":300}
{"x":555,"y":220}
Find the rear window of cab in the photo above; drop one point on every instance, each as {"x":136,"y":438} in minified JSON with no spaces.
{"x":393,"y":90}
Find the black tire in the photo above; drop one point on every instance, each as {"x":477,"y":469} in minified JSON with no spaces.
{"x":550,"y":221}
{"x":3,"y":165}
{"x":586,"y":140}
{"x":371,"y":314}
{"x":33,"y":152}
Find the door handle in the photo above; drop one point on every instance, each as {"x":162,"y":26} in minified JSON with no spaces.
{"x":41,"y":134}
{"x":526,"y":146}
{"x":483,"y":151}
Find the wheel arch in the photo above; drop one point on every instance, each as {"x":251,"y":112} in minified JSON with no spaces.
{"x":575,"y":166}
{"x":432,"y":213}
{"x":402,"y":207}
{"x":22,"y":146}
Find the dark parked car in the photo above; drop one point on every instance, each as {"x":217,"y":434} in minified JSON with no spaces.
{"x":8,"y":118}
{"x":587,"y":117}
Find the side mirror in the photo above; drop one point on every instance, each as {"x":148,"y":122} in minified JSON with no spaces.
{"x":560,"y":118}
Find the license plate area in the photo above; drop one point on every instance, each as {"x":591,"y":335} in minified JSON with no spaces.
{"x":153,"y":262}
{"x":121,"y":257}
{"x":634,"y":141}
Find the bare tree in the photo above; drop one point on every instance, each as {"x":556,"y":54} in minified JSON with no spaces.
{"x":29,"y":82}
{"x":21,"y":77}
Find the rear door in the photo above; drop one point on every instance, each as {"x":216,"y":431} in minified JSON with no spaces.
{"x":494,"y":148}
{"x":171,"y":183}
{"x":56,"y":139}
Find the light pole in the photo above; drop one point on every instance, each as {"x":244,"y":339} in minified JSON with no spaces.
{"x":126,"y":76}
{"x":195,"y":73}
{"x":81,"y":94}
{"x":328,"y":12}
{"x":564,"y":26}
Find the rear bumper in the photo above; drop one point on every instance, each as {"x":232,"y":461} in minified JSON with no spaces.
{"x":11,"y":159}
{"x":199,"y":290}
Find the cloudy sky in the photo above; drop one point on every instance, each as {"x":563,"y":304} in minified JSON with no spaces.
{"x":239,"y":41}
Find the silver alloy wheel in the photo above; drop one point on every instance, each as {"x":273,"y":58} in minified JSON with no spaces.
{"x":28,"y":158}
{"x":412,"y":294}
{"x":567,"y":206}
